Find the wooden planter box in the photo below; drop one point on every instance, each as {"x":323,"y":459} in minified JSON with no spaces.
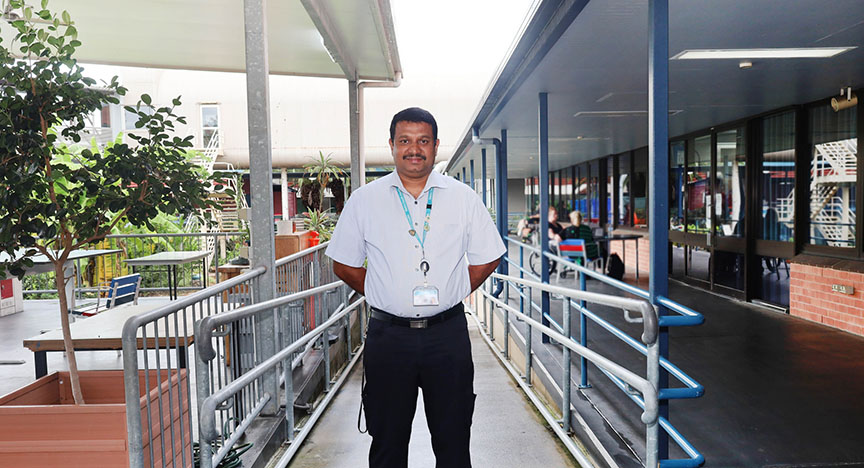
{"x":40,"y":426}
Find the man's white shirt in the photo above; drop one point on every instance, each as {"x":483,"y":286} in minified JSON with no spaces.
{"x":373,"y":227}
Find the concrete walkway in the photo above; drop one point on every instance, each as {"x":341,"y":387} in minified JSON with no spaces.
{"x":507,"y":432}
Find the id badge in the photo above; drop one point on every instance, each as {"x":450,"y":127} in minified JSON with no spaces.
{"x":425,"y":296}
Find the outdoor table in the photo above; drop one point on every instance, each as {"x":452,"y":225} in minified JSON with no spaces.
{"x":41,"y":264}
{"x":103,"y":332}
{"x":172,"y":259}
{"x":623,"y":238}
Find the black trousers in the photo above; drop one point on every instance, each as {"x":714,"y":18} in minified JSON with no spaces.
{"x":398,"y":360}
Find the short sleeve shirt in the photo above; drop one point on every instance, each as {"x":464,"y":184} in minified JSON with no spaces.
{"x":373,"y":228}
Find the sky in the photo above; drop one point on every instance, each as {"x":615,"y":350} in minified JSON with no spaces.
{"x":450,"y":50}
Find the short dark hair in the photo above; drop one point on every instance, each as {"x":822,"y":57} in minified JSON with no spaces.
{"x":414,"y":114}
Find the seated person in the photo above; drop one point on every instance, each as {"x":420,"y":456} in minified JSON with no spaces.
{"x":582,"y":231}
{"x":555,"y":228}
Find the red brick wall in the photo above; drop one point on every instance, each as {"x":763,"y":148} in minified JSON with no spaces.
{"x":811,"y":297}
{"x":629,"y":255}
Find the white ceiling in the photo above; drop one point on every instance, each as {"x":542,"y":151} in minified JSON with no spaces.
{"x":600,"y":65}
{"x":209,"y":35}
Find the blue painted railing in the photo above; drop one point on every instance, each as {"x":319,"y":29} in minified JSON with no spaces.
{"x":684,"y":317}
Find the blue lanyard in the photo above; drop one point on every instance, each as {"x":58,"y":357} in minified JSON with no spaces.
{"x":411,"y":230}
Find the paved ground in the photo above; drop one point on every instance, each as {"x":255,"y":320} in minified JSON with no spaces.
{"x":506,"y":431}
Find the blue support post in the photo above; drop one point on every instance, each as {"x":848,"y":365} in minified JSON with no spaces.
{"x":471,"y":183}
{"x":502,"y":149}
{"x":543,"y":141}
{"x":483,"y":172}
{"x":583,"y":335}
{"x":464,"y":177}
{"x":658,"y":178}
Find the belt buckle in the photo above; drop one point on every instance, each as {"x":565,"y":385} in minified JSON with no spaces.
{"x":423,"y":323}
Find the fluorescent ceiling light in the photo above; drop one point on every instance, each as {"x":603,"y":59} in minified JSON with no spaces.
{"x":621,"y":113}
{"x":738,"y":54}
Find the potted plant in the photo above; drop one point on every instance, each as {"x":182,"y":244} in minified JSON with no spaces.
{"x":57,"y":198}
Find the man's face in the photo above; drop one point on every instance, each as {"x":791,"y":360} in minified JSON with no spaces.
{"x":414,"y":149}
{"x":553,"y":216}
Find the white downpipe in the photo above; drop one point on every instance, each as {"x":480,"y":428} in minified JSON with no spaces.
{"x":361,"y":121}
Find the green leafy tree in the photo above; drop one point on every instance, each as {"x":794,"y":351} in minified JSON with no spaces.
{"x":54,"y":200}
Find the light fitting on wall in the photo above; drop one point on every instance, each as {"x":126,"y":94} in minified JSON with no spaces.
{"x":745,"y":64}
{"x":846,"y":100}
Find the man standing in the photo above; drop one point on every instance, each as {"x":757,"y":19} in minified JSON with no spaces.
{"x":427,"y":241}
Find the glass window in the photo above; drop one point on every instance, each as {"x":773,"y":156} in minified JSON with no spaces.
{"x":774,"y":285}
{"x":210,"y":126}
{"x":777,"y":178}
{"x":697,"y":262}
{"x":640,"y":187}
{"x":729,"y":189}
{"x":594,"y":193}
{"x":676,"y":269}
{"x":676,"y":186}
{"x":624,"y":218}
{"x":698,"y":189}
{"x":833,"y":171}
{"x":131,"y":118}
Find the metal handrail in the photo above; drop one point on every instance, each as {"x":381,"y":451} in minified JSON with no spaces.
{"x":301,"y":254}
{"x":204,"y":343}
{"x":687,"y":316}
{"x":649,"y":315}
{"x":647,"y":386}
{"x":204,"y":332}
{"x":131,"y":325}
{"x":129,"y":339}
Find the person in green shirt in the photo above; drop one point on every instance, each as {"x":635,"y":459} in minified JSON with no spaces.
{"x":581,"y":231}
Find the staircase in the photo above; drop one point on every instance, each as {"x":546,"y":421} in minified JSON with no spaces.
{"x":833,"y":171}
{"x":226,"y":218}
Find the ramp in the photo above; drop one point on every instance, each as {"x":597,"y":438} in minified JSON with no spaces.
{"x":507,"y":432}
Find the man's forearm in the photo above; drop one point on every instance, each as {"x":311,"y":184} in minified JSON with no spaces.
{"x":478,"y":273}
{"x":352,"y":276}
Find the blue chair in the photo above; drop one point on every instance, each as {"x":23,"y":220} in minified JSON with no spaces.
{"x":120,"y":290}
{"x":575,"y":249}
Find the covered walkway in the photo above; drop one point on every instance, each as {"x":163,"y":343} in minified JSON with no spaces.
{"x":507,"y":432}
{"x":780,"y":391}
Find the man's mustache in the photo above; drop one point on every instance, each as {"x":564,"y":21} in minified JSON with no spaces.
{"x":414,"y":156}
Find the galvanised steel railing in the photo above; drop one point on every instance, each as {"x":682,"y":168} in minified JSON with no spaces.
{"x":300,"y":272}
{"x":160,"y":430}
{"x":212,"y":425}
{"x":170,"y":240}
{"x":684,"y":317}
{"x":646,"y":386}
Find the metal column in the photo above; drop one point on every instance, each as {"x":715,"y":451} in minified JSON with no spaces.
{"x":472,"y":177}
{"x":543,"y":156}
{"x":261,"y":180}
{"x":358,"y":169}
{"x":464,"y":177}
{"x":658,"y":178}
{"x":284,"y":193}
{"x":502,"y":189}
{"x":483,"y":173}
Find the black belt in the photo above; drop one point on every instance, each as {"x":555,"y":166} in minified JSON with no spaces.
{"x":427,"y":322}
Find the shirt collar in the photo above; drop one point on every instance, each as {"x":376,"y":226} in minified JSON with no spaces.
{"x":435,"y":180}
